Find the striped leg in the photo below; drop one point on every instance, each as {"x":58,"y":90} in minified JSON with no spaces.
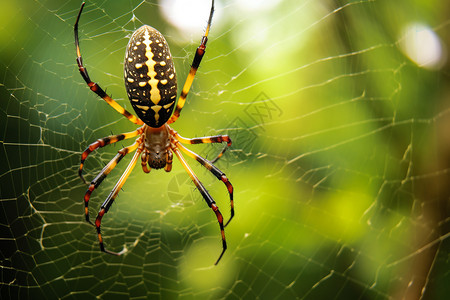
{"x":205,"y":140}
{"x":102,"y":175}
{"x":109,"y":201}
{"x":144,"y":162}
{"x":209,"y":200}
{"x":103,"y":142}
{"x":169,"y":160}
{"x":94,"y":86}
{"x":216,"y":172}
{"x":195,"y":64}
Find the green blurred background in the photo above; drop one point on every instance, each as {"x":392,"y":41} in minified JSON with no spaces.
{"x":339,"y":116}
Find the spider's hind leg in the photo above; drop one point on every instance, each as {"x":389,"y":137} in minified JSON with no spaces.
{"x":194,"y":67}
{"x":94,"y":86}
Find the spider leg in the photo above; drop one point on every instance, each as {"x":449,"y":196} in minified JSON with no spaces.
{"x":102,"y":175}
{"x":144,"y":162}
{"x":169,"y":160}
{"x":109,"y":201}
{"x":216,"y":172}
{"x":209,"y":200}
{"x":103,"y":142}
{"x":94,"y":86}
{"x":195,"y":64}
{"x":205,"y":140}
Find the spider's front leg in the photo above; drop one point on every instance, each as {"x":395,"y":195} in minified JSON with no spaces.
{"x":110,"y":200}
{"x":216,"y":172}
{"x":209,"y":200}
{"x":102,"y":175}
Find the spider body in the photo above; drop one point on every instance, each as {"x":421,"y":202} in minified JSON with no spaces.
{"x":156,"y":147}
{"x":150,"y":78}
{"x":151,"y":86}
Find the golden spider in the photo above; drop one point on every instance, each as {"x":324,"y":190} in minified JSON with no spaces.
{"x":151,"y":85}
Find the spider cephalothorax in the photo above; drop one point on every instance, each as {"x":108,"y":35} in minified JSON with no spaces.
{"x":156,"y":147}
{"x":151,"y":85}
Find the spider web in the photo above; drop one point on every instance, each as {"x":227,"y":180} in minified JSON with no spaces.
{"x":339,"y":160}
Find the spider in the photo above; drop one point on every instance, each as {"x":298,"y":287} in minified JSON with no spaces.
{"x":151,"y":85}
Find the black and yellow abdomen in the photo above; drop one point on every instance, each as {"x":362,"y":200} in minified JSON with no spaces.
{"x":150,"y":77}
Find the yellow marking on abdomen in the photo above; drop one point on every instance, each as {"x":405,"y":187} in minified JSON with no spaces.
{"x":155,"y":95}
{"x":168,"y":105}
{"x":142,"y":107}
{"x":156,"y":109}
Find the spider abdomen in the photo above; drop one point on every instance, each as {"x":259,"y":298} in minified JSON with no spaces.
{"x":150,"y":77}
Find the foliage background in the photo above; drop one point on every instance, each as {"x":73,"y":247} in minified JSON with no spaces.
{"x":340,"y":157}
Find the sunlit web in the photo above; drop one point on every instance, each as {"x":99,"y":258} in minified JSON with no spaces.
{"x":338,"y":118}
